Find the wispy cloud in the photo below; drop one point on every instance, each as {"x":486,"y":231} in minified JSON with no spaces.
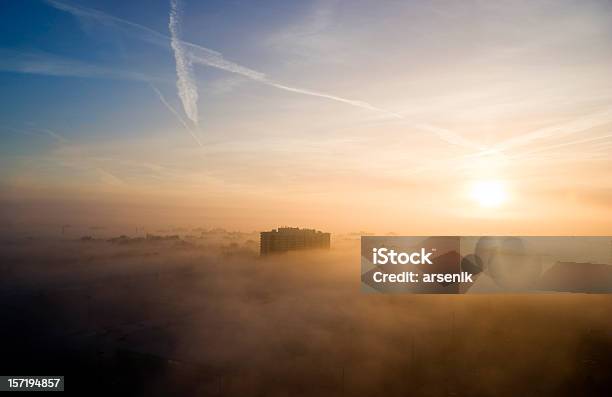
{"x":38,"y":62}
{"x":178,"y":116}
{"x":201,"y":55}
{"x":565,"y":144}
{"x":72,"y":155}
{"x":58,"y":137}
{"x":146,"y":33}
{"x":45,"y":132}
{"x":187,"y":88}
{"x":559,"y":130}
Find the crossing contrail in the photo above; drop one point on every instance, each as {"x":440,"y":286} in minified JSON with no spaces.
{"x":185,"y":84}
{"x":197,"y":54}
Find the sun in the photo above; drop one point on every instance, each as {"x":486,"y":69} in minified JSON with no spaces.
{"x":489,"y":194}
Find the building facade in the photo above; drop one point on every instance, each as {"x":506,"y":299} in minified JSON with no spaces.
{"x":292,"y":238}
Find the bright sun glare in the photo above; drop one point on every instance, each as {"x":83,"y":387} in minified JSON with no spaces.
{"x":489,"y":194}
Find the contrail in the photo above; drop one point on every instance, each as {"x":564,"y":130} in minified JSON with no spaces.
{"x":41,"y":132}
{"x":572,"y":127}
{"x":38,"y":62}
{"x":205,"y":56}
{"x":178,"y":116}
{"x":54,"y":135}
{"x":352,"y":102}
{"x":187,"y":89}
{"x":560,"y":130}
{"x":148,"y":34}
{"x":79,"y":161}
{"x":564,"y":144}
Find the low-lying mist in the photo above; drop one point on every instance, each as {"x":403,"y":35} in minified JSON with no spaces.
{"x":208,"y":316}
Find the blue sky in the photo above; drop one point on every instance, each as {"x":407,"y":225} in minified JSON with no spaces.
{"x":247,"y":106}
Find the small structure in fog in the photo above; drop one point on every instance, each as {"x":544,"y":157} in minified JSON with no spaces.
{"x":153,"y":237}
{"x":292,"y":238}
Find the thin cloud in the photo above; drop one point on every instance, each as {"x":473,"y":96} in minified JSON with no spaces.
{"x":72,"y":155}
{"x":45,"y":132}
{"x":178,"y":116}
{"x":58,"y":137}
{"x":564,"y":144}
{"x":559,"y":130}
{"x":352,"y":102}
{"x":146,"y":33}
{"x":187,"y":89}
{"x":205,"y":56}
{"x":42,"y":63}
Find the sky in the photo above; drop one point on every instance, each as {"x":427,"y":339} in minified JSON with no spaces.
{"x":417,"y":117}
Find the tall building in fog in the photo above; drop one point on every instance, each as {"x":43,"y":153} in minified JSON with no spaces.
{"x":292,"y":238}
